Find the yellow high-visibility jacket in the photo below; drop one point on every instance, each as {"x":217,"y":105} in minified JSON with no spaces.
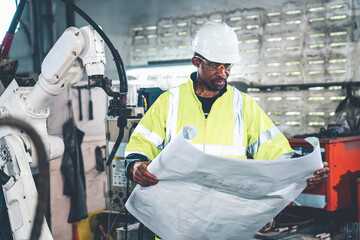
{"x":235,"y":125}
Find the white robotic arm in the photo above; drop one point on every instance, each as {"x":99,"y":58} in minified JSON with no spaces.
{"x":64,"y":65}
{"x":76,"y":50}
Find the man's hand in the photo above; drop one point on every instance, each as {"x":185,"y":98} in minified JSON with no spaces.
{"x":141,"y":175}
{"x":321,"y":175}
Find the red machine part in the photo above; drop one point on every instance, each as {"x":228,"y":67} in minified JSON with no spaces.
{"x":9,"y":37}
{"x":343,"y":157}
{"x":358,"y":197}
{"x":6,"y":45}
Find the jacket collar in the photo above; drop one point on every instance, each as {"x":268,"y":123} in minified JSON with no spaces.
{"x":192,"y":79}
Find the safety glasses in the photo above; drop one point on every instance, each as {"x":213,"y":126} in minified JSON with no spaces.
{"x":214,"y":65}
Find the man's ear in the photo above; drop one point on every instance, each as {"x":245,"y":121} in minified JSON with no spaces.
{"x":195,"y":61}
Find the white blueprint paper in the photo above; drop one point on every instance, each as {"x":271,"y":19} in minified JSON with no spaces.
{"x":201,"y":196}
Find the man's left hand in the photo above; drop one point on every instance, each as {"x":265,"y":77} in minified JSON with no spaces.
{"x":321,"y":175}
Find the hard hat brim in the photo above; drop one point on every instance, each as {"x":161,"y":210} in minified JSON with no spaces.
{"x":233,"y":58}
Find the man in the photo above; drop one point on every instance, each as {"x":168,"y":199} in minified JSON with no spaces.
{"x":229,"y":122}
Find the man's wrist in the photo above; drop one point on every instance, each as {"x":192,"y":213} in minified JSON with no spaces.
{"x":131,"y":167}
{"x":129,"y":163}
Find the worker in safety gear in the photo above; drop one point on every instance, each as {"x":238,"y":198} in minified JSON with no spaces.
{"x":229,"y":122}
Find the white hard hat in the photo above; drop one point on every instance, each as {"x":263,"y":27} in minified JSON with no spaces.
{"x":217,"y":42}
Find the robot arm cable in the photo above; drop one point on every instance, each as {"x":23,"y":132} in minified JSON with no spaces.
{"x":118,"y":61}
{"x":120,"y":109}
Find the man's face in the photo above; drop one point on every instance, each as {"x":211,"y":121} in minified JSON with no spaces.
{"x":212,"y":75}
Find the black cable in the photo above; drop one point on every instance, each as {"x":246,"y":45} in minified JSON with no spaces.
{"x":116,"y":146}
{"x":43,"y":166}
{"x":119,"y":66}
{"x":70,"y":16}
{"x":110,"y":192}
{"x":109,"y":217}
{"x":118,"y":61}
{"x":115,"y":221}
{"x":36,"y":36}
{"x":141,"y":231}
{"x":4,"y":178}
{"x":132,"y":128}
{"x":127,"y":197}
{"x":3,"y":217}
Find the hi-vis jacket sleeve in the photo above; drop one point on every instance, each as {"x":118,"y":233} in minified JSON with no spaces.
{"x":148,"y":138}
{"x":264,"y":139}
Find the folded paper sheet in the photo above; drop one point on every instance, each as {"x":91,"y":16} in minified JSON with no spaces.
{"x":201,"y":196}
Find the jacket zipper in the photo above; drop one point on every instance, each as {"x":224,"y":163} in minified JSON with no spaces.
{"x":206,"y":119}
{"x":205,"y":131}
{"x":203,"y":115}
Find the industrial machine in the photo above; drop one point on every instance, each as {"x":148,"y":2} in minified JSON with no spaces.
{"x":328,"y":209}
{"x":76,"y":50}
{"x":119,"y":186}
{"x":339,"y":192}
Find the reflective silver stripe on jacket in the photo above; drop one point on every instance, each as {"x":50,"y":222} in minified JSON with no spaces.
{"x":222,"y":150}
{"x":263,"y":137}
{"x":172,"y":113}
{"x":151,"y":136}
{"x":239,"y":148}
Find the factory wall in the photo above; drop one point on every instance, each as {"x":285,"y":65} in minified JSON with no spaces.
{"x":120,"y":18}
{"x":117,"y":18}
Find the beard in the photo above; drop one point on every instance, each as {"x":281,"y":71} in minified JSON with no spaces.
{"x":216,"y":84}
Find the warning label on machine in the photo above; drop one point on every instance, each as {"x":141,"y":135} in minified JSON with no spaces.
{"x":118,"y":170}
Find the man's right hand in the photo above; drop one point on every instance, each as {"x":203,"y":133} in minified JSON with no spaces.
{"x":141,"y":175}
